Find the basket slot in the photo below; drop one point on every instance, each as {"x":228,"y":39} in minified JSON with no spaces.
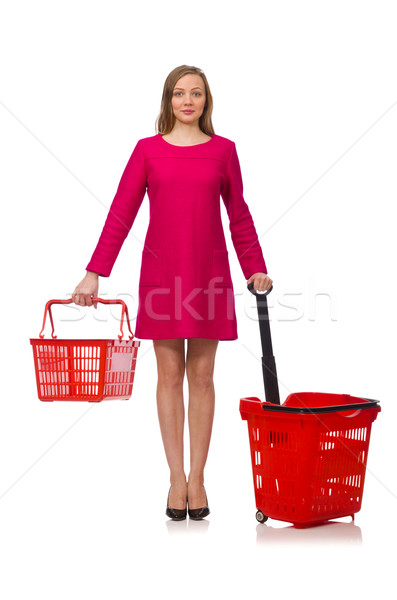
{"x":340,"y":470}
{"x":87,"y":366}
{"x":279,"y":439}
{"x":275,"y":487}
{"x":120,"y":370}
{"x":273,"y":438}
{"x":53,"y":370}
{"x":343,"y":453}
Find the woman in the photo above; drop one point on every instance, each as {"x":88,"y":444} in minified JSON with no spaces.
{"x":185,"y":286}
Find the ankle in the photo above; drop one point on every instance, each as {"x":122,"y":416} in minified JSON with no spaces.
{"x":178,"y":479}
{"x":196,"y":479}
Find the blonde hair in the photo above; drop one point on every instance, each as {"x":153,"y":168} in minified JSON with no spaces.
{"x":166,"y":119}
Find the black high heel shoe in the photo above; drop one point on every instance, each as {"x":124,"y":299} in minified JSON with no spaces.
{"x":177,"y":514}
{"x":199,"y":513}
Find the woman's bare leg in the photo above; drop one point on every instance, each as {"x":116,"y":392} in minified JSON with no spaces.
{"x":170,"y":355}
{"x":200,"y":361}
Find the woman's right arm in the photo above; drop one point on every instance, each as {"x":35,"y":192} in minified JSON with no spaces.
{"x":123,"y":210}
{"x":86,"y":290}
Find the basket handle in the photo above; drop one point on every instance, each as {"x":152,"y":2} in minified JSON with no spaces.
{"x":124,"y":311}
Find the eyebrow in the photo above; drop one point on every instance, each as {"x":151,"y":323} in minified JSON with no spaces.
{"x":195,"y":88}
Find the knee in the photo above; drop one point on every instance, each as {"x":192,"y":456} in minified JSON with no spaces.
{"x":171,"y":377}
{"x":200,"y":376}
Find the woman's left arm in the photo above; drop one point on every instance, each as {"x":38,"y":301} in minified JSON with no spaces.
{"x":262,"y":281}
{"x":242,"y":228}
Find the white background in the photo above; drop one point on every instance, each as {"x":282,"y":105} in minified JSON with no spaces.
{"x":307,"y":90}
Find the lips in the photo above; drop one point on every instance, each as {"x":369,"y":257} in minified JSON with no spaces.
{"x":187,"y":111}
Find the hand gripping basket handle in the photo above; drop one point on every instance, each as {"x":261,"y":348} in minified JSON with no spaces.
{"x":124,"y":311}
{"x":268,"y":361}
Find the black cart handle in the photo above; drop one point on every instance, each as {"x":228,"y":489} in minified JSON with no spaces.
{"x":268,"y":361}
{"x":250,"y":286}
{"x":261,"y":300}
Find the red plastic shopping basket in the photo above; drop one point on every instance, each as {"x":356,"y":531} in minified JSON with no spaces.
{"x":309,"y":454}
{"x":91,"y":370}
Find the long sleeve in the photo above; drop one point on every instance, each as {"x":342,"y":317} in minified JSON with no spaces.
{"x":242,"y":228}
{"x":124,"y":208}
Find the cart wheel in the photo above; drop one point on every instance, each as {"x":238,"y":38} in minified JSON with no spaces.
{"x":261,"y":517}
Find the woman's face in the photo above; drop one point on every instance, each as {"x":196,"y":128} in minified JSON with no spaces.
{"x":188,"y":98}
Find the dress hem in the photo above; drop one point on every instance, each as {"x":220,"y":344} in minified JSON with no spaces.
{"x":187,"y":336}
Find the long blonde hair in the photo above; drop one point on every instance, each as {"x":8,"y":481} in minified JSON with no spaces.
{"x":166,"y":119}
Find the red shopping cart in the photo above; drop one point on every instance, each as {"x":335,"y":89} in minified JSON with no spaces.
{"x":309,"y":454}
{"x":92,"y":370}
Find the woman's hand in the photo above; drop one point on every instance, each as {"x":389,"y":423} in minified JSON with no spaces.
{"x":86,"y":290}
{"x":262,"y":282}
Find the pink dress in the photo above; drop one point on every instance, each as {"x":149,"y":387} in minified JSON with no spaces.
{"x":185,"y":285}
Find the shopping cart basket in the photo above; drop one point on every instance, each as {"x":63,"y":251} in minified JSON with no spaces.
{"x":309,"y":454}
{"x":91,"y":370}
